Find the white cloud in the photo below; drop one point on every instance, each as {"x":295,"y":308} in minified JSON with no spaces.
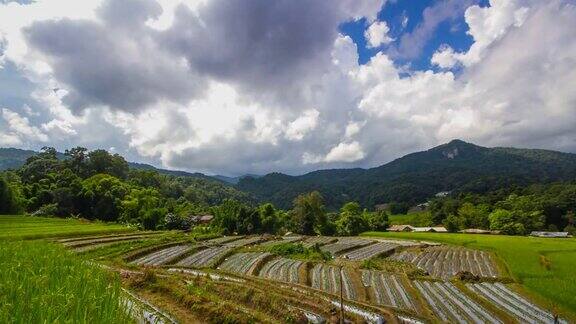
{"x":19,"y":129}
{"x":487,"y":25}
{"x":377,"y":34}
{"x":302,"y":125}
{"x":345,"y":152}
{"x":512,"y":82}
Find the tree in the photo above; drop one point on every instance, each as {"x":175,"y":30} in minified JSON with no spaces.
{"x":269,"y":218}
{"x":100,"y":161}
{"x":9,"y":199}
{"x":103,"y":195}
{"x":308,"y":209}
{"x":351,"y":221}
{"x":77,"y":159}
{"x":378,"y":221}
{"x":453,"y":223}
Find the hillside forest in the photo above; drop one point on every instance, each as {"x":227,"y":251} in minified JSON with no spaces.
{"x":98,"y":185}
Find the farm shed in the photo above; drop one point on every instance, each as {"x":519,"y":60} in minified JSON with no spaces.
{"x":437,"y":229}
{"x":401,"y":228}
{"x":550,"y":234}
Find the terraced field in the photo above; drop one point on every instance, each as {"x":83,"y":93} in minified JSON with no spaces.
{"x":345,"y":244}
{"x":205,"y":258}
{"x":327,"y":278}
{"x":284,"y":239}
{"x":387,"y":289}
{"x":451,"y":305}
{"x":222,"y":240}
{"x":245,"y":241}
{"x":370,"y":251}
{"x":244,"y":263}
{"x":162,"y":256}
{"x":444,"y":262}
{"x":243,"y":272}
{"x":282,"y":269}
{"x":513,"y":303}
{"x":320,"y":240}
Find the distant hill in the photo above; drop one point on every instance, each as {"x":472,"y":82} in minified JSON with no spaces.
{"x":235,"y":180}
{"x":12,"y":158}
{"x":455,"y":166}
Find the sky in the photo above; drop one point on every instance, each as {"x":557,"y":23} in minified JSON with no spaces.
{"x":256,"y":86}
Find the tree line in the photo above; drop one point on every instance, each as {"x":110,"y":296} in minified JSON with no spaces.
{"x":514,"y":210}
{"x":98,"y":185}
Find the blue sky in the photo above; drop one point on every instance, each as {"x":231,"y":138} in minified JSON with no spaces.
{"x":404,"y":16}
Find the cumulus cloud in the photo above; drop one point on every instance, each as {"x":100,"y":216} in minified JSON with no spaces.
{"x":345,"y":152}
{"x":486,"y":25}
{"x":302,"y":125}
{"x":19,"y":130}
{"x":223,"y":87}
{"x":377,"y":34}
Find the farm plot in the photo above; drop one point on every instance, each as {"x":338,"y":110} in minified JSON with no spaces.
{"x":344,"y":244}
{"x":244,"y":263}
{"x":205,"y":258}
{"x":162,"y":256}
{"x":285,"y":239}
{"x":327,"y":278}
{"x":387,"y":289}
{"x":451,"y":305}
{"x":245,"y":241}
{"x":370,"y":251}
{"x":512,"y":303}
{"x":282,"y":269}
{"x":222,"y":240}
{"x":445,"y":262}
{"x":320,"y":240}
{"x":102,"y":240}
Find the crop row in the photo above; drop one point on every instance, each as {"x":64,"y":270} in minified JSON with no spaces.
{"x":320,"y":240}
{"x":96,"y":237}
{"x":162,"y":256}
{"x":444,"y":262}
{"x":370,"y":251}
{"x":205,"y":258}
{"x":451,"y":305}
{"x":243,"y":263}
{"x":245,"y":241}
{"x":387,"y":289}
{"x":222,"y":240}
{"x":96,"y":241}
{"x":282,"y":269}
{"x":344,"y":244}
{"x":513,"y":303}
{"x":327,"y":278}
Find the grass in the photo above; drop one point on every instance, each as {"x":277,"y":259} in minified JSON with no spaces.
{"x":415,"y":219}
{"x":299,"y":252}
{"x":29,"y":227}
{"x":41,"y":282}
{"x":551,"y":281}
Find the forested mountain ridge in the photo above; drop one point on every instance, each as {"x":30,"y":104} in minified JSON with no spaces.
{"x":455,"y":166}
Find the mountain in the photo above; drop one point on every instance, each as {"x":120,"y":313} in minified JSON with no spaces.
{"x":12,"y":158}
{"x":235,"y":180}
{"x":455,"y":166}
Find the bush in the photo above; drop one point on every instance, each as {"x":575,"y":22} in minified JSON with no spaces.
{"x":47,"y":210}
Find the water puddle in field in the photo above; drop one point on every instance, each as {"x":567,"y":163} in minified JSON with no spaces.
{"x":144,"y":312}
{"x":206,"y":274}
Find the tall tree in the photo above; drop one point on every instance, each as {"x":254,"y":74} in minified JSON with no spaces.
{"x":308,"y":211}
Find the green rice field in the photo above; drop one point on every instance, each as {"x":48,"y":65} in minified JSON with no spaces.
{"x":28,"y":227}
